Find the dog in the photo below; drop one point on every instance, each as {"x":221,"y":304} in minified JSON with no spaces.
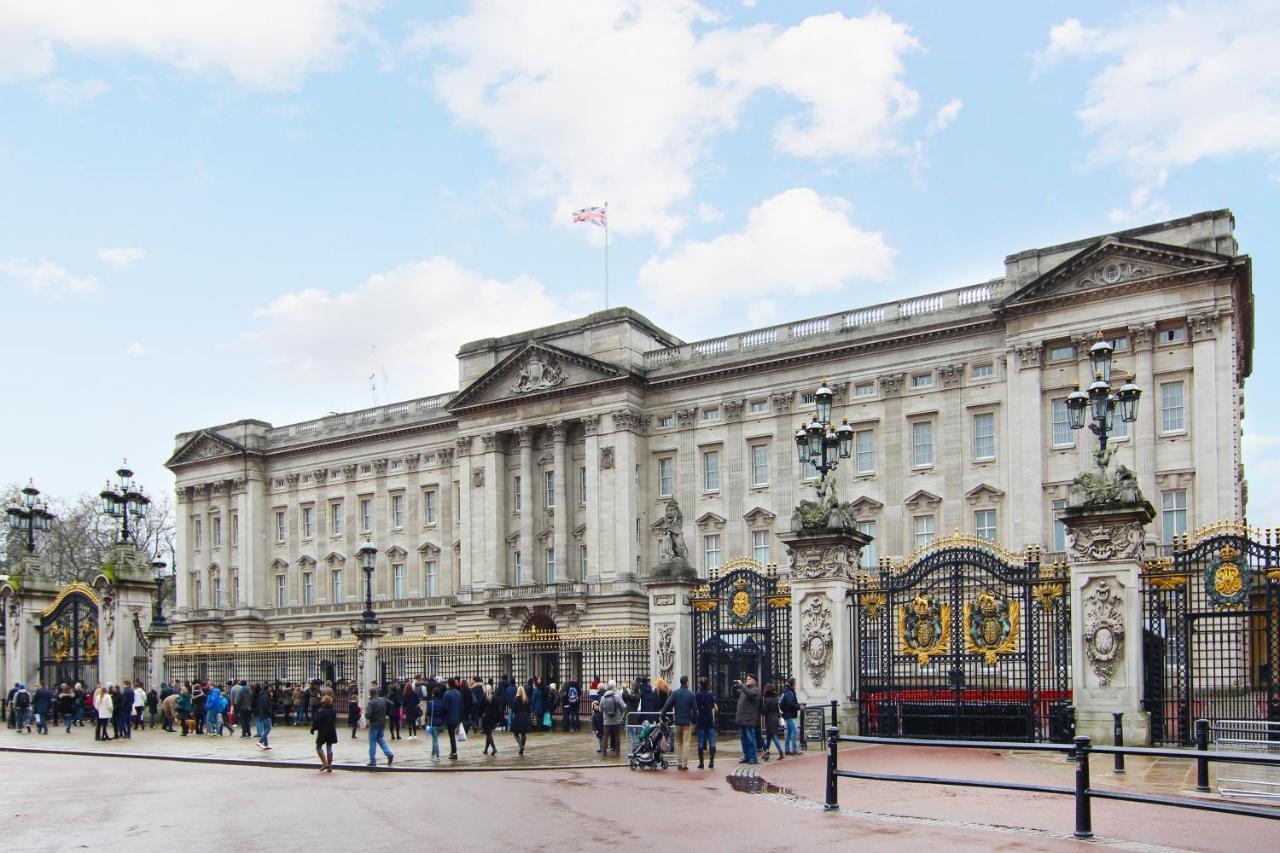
{"x":189,"y":726}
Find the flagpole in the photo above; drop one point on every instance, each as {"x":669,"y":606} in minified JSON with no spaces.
{"x":606,"y":256}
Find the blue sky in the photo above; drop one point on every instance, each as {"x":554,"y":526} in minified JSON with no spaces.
{"x":210,"y":214}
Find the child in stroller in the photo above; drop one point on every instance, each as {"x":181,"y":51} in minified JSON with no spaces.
{"x":654,"y":740}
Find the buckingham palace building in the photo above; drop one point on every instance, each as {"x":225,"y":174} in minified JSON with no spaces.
{"x":532,"y":495}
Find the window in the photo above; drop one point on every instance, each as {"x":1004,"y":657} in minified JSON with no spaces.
{"x":922,"y":380}
{"x":711,"y":471}
{"x":457,"y":501}
{"x":1173,"y":515}
{"x":308,"y":589}
{"x":217,"y":593}
{"x":924,"y":530}
{"x":397,"y":580}
{"x":869,"y":558}
{"x":1120,"y":343}
{"x":337,"y":585}
{"x":549,"y":481}
{"x":335,"y":519}
{"x":366,"y":515}
{"x":196,"y":587}
{"x":282,"y":597}
{"x":517,"y":497}
{"x":582,"y":560}
{"x":308,"y":522}
{"x":1119,"y":429}
{"x":1172,"y":336}
{"x":280,"y":527}
{"x":760,"y":546}
{"x":235,"y":530}
{"x":217,"y":531}
{"x":199,"y":537}
{"x":1062,"y":352}
{"x":711,"y":414}
{"x":666,"y":421}
{"x":582,"y":486}
{"x":396,"y":464}
{"x":922,"y":444}
{"x":1059,"y":529}
{"x":235,"y":590}
{"x":431,"y":504}
{"x":759,"y":465}
{"x":711,"y":550}
{"x":1063,"y":434}
{"x":433,"y":578}
{"x":1172,"y":414}
{"x":983,"y":371}
{"x":984,"y":524}
{"x":864,"y":443}
{"x":517,"y":570}
{"x":366,"y":468}
{"x":397,"y":510}
{"x":984,"y":436}
{"x":759,"y":407}
{"x":864,"y":389}
{"x":666,"y":477}
{"x":551,"y":565}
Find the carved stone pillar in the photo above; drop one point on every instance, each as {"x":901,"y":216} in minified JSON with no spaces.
{"x":159,"y":637}
{"x":528,"y":504}
{"x":367,"y":658}
{"x":1105,"y":549}
{"x":671,"y":631}
{"x":563,"y":512}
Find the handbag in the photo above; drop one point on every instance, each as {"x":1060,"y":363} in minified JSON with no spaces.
{"x":546,"y":720}
{"x":462,"y":734}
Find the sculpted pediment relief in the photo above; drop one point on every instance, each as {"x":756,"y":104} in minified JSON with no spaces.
{"x":534,"y":370}
{"x":205,"y":445}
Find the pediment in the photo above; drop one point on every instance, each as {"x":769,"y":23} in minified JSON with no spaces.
{"x":204,"y":445}
{"x":333,"y":557}
{"x":710,"y":519}
{"x":535,"y":370}
{"x":983,"y":492}
{"x":1112,"y":262}
{"x":922,"y":498}
{"x":759,"y":514}
{"x":428,"y":549}
{"x":396,"y":552}
{"x":865,"y":504}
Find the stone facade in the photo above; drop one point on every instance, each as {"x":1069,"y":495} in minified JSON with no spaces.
{"x":566,"y":442}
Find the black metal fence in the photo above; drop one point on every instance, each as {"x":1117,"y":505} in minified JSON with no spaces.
{"x":286,"y":662}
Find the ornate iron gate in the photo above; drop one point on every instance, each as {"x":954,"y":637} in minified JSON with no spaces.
{"x":1211,"y":631}
{"x":69,"y":638}
{"x":964,"y":640}
{"x":742,"y":625}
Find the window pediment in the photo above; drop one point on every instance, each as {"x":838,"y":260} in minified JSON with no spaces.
{"x":710,"y":521}
{"x":922,"y":499}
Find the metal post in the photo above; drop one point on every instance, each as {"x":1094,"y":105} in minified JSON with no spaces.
{"x":834,"y":721}
{"x":1202,"y":764}
{"x":1118,"y":740}
{"x":833,"y":741}
{"x":1084,"y":812}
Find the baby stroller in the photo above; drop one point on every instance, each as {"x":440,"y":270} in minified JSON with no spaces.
{"x":654,"y":741}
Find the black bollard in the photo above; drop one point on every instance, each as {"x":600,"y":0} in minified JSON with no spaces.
{"x":1202,"y":764}
{"x":1084,"y":812}
{"x":833,"y":741}
{"x":1118,"y":740}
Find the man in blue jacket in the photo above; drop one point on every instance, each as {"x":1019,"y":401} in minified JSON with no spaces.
{"x":790,"y":707}
{"x":453,"y":715}
{"x":683,"y":705}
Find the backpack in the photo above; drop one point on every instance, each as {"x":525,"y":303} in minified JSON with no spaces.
{"x":609,"y":705}
{"x":22,"y":699}
{"x":572,"y":696}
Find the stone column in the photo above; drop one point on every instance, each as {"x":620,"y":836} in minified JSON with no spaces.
{"x":1143,"y":431}
{"x":591,"y":459}
{"x":528,"y":502}
{"x":1027,"y":442}
{"x":824,"y":564}
{"x":125,"y":591}
{"x":563,"y":512}
{"x":159,"y":637}
{"x":469,"y":534}
{"x":493,"y":479}
{"x":671,"y":630}
{"x":1105,"y":548}
{"x":368,"y":633}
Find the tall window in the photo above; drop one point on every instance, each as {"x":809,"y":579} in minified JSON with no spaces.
{"x":864,"y":442}
{"x":337,"y":585}
{"x":235,"y":530}
{"x":922,"y":444}
{"x":433,"y":578}
{"x":760,"y":546}
{"x":282,"y":597}
{"x":517,"y":497}
{"x":711,"y":550}
{"x":924,"y":530}
{"x":517,"y":569}
{"x":397,"y":580}
{"x":1172,"y":413}
{"x":397,"y":510}
{"x":199,"y":537}
{"x":280,"y":527}
{"x":582,"y":560}
{"x":308,"y":588}
{"x":711,"y":471}
{"x":196,"y":588}
{"x":217,"y":531}
{"x":431,"y":505}
{"x":666,"y":477}
{"x":984,"y":436}
{"x":335,"y":519}
{"x":551,"y":565}
{"x":1173,"y":514}
{"x":869,"y":556}
{"x":1063,"y":434}
{"x":457,"y":501}
{"x":759,"y":465}
{"x":235,"y":590}
{"x":582,"y":486}
{"x":308,"y":522}
{"x":984,"y":524}
{"x":217,"y":592}
{"x":366,"y":515}
{"x":1059,"y":529}
{"x":549,"y":482}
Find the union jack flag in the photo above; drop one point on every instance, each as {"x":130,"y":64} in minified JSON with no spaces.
{"x":595,"y":215}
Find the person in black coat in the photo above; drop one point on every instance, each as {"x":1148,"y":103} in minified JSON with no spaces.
{"x":520,"y":717}
{"x":409,"y":702}
{"x":490,"y":717}
{"x":395,"y":700}
{"x":453,"y":715}
{"x":324,"y":725}
{"x":264,"y":712}
{"x":353,"y":712}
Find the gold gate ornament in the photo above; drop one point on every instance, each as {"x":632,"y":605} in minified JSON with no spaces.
{"x":990,"y":627}
{"x":922,"y":629}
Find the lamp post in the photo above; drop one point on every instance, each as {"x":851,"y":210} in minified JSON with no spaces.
{"x":163,"y":573}
{"x":368,"y":553}
{"x":817,"y":442}
{"x":1101,"y":400}
{"x":124,"y":500}
{"x":28,"y":517}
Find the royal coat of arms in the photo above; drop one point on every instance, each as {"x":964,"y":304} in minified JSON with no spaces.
{"x":921,"y":628}
{"x":742,"y":604}
{"x":1227,"y":579}
{"x":990,"y":627}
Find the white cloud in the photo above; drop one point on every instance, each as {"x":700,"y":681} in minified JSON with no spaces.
{"x":794,"y":243}
{"x":121,"y":257}
{"x":417,"y":314}
{"x":1068,"y":39}
{"x":622,"y":99}
{"x":46,"y":276}
{"x":946,"y":114}
{"x":708,"y":213}
{"x":261,"y":45}
{"x":72,"y":93}
{"x":135,"y":350}
{"x":1262,"y":470}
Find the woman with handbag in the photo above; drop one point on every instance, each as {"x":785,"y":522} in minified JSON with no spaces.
{"x":324,"y":725}
{"x":436,"y":720}
{"x":520,"y":717}
{"x":490,"y":716}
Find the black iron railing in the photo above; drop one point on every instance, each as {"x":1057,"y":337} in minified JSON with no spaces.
{"x":1083,"y":791}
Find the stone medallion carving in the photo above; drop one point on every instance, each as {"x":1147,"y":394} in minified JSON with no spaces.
{"x":477,"y":477}
{"x":1099,"y":542}
{"x":538,"y":372}
{"x":108,"y":609}
{"x":1103,"y":630}
{"x":666,"y":652}
{"x":606,"y":457}
{"x":817,"y":561}
{"x":815,"y":636}
{"x":15,"y":620}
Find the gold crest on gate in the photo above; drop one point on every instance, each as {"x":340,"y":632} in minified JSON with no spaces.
{"x":742,"y":605}
{"x":922,"y":628}
{"x":990,"y":627}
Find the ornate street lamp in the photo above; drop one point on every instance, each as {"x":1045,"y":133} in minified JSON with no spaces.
{"x":28,"y":517}
{"x":124,"y":500}
{"x":820,"y":444}
{"x":1100,"y":400}
{"x":368,"y":553}
{"x":163,"y":574}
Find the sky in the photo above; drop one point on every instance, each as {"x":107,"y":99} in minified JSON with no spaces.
{"x":245,"y":210}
